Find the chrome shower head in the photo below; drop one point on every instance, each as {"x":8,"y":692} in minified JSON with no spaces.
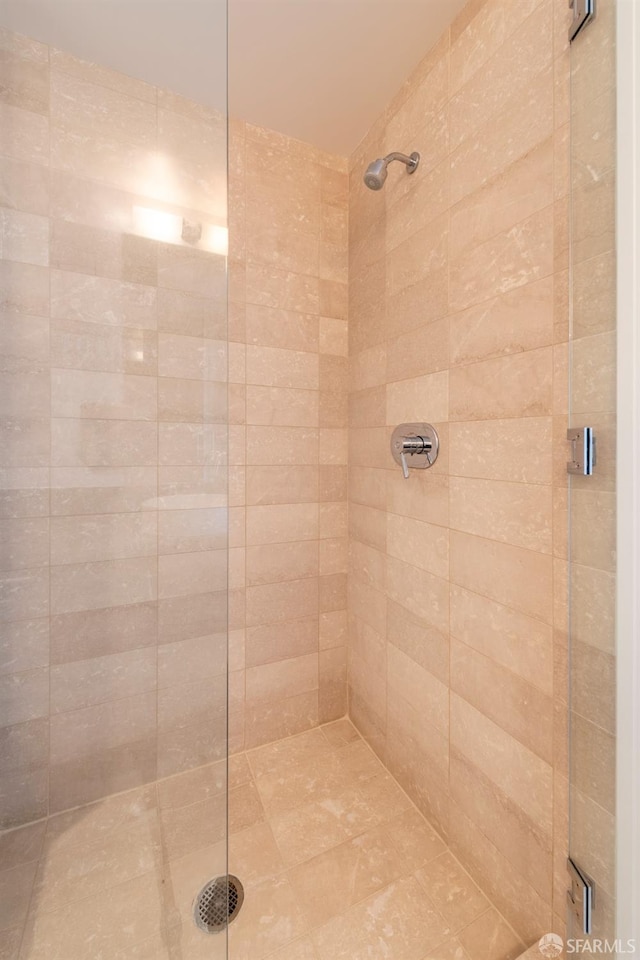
{"x":376,"y":172}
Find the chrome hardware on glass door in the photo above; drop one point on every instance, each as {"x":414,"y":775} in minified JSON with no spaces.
{"x":583,"y":13}
{"x":414,"y":445}
{"x":583,"y":451}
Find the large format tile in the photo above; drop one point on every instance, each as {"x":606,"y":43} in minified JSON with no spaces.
{"x":330,"y":883}
{"x":398,"y":922}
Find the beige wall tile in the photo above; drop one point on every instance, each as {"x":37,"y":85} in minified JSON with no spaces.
{"x":76,"y":296}
{"x":427,"y":695}
{"x":475,"y":35}
{"x":420,"y":592}
{"x":415,"y":258}
{"x":525,"y":778}
{"x":267,"y":721}
{"x":513,"y":66}
{"x":277,"y":406}
{"x":111,"y":537}
{"x":290,"y":600}
{"x":522,"y":710}
{"x":286,"y":678}
{"x":520,"y":643}
{"x":519,"y":578}
{"x":333,"y":337}
{"x":522,"y":319}
{"x":105,"y":396}
{"x":280,"y":289}
{"x":29,"y":140}
{"x":282,"y":445}
{"x":520,"y":255}
{"x":282,"y":523}
{"x":524,"y":120}
{"x":24,"y":186}
{"x":422,"y":351}
{"x":423,"y":545}
{"x":281,"y":484}
{"x":501,"y":449}
{"x":187,"y":574}
{"x":88,"y":586}
{"x":515,"y":513}
{"x":270,"y":642}
{"x":24,"y":646}
{"x":519,"y":385}
{"x":275,"y":562}
{"x":429,"y":393}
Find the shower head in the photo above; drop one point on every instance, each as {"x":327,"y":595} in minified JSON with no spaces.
{"x":376,"y":172}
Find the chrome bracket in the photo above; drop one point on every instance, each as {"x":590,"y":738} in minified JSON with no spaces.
{"x":583,"y":451}
{"x":581,"y":897}
{"x":583,"y":13}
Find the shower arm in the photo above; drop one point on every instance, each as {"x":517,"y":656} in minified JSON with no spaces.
{"x":410,"y":162}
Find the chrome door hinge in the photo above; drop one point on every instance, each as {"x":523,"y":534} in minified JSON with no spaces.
{"x":580,"y":898}
{"x":583,"y":12}
{"x":583,"y":451}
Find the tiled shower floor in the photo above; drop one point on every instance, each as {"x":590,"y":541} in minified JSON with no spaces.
{"x":336,"y":862}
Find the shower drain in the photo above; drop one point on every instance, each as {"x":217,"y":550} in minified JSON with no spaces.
{"x":218,"y":903}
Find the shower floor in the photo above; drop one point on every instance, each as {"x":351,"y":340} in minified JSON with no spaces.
{"x":336,"y":862}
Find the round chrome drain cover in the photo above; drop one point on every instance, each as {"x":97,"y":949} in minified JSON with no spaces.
{"x":218,"y":903}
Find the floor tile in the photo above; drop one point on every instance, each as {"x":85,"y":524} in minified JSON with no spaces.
{"x":397,"y":923}
{"x":245,"y":807}
{"x":300,"y":950}
{"x":339,"y":732}
{"x":452,"y":891}
{"x":15,"y":892}
{"x":73,"y":872}
{"x":269,"y":920}
{"x":330,"y":883}
{"x":490,"y":938}
{"x":10,"y":943}
{"x":284,"y":754}
{"x":190,"y":828}
{"x":22,"y":845}
{"x":336,"y":864}
{"x":415,"y":839}
{"x":254,"y":855}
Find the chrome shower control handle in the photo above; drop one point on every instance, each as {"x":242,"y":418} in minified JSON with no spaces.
{"x":414,"y":445}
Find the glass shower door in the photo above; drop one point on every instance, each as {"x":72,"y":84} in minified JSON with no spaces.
{"x":113,"y":476}
{"x":592,"y":498}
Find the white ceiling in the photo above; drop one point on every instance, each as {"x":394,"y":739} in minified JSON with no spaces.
{"x":318,"y":70}
{"x":322,"y":70}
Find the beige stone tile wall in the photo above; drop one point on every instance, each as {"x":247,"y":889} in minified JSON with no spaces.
{"x":288,"y":415}
{"x":113,"y":434}
{"x":114,"y":406}
{"x":458,"y":315}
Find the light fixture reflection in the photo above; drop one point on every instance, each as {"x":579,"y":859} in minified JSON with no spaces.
{"x":172,"y":228}
{"x":216,"y":239}
{"x":157,"y":224}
